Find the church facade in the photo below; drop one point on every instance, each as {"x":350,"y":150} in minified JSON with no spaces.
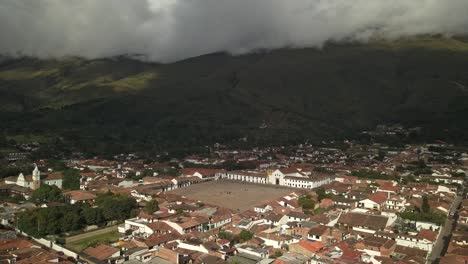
{"x":35,"y":180}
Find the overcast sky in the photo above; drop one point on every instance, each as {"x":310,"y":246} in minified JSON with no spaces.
{"x":168,"y":30}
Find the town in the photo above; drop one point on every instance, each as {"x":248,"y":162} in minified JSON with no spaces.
{"x":339,"y":202}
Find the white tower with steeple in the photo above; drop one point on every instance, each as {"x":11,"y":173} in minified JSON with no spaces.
{"x":36,"y":178}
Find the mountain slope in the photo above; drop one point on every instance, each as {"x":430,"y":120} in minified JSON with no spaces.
{"x":275,"y":97}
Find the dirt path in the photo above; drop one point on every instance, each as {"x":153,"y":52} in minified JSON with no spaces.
{"x":90,"y":234}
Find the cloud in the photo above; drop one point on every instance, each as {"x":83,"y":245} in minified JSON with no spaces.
{"x":168,"y":30}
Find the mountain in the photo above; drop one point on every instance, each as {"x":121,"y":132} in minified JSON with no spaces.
{"x":269,"y":97}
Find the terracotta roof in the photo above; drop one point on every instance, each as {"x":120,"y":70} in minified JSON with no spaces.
{"x":273,"y":217}
{"x":378,"y":198}
{"x":375,"y":222}
{"x":379,"y":242}
{"x":52,"y":176}
{"x":101,"y":252}
{"x":319,"y":230}
{"x":80,"y":195}
{"x":311,"y":246}
{"x":159,"y":239}
{"x":427,"y":234}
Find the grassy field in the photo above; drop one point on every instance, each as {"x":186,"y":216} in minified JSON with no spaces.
{"x":81,"y":244}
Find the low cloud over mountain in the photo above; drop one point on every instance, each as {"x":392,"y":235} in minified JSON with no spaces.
{"x":168,"y":30}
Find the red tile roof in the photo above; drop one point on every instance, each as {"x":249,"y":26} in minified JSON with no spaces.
{"x":311,"y":246}
{"x":101,"y":252}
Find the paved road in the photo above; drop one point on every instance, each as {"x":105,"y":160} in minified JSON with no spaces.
{"x":444,"y":238}
{"x":91,"y":234}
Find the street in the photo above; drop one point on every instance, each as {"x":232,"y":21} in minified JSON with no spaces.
{"x":443,"y":240}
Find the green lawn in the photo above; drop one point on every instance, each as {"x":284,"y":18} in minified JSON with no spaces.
{"x":106,"y":238}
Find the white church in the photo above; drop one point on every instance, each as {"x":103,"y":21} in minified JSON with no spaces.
{"x":35,"y":180}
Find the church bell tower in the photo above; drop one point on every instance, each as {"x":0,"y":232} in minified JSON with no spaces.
{"x":36,"y":178}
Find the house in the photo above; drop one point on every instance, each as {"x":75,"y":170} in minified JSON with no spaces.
{"x":80,"y":196}
{"x":275,"y":240}
{"x":201,"y":173}
{"x":276,"y":219}
{"x":247,"y":176}
{"x":101,"y":253}
{"x":263,"y":208}
{"x":363,"y":222}
{"x":463,"y":216}
{"x":375,"y":201}
{"x":319,"y":233}
{"x":307,"y":248}
{"x":377,"y":246}
{"x":294,"y":216}
{"x":252,"y":251}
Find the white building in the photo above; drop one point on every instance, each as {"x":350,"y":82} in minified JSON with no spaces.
{"x":294,"y":178}
{"x":35,"y":180}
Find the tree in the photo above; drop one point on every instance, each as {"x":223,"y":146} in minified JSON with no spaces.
{"x":151,"y":206}
{"x":245,"y":236}
{"x":225,"y":235}
{"x":306,"y":202}
{"x":57,"y":165}
{"x":426,"y":208}
{"x":46,"y":194}
{"x":277,"y":254}
{"x":116,"y":206}
{"x":322,"y":194}
{"x":92,"y":216}
{"x":71,"y":179}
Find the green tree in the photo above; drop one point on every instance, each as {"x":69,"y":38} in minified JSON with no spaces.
{"x":151,"y":206}
{"x":57,"y":165}
{"x":245,"y":236}
{"x":277,"y":254}
{"x":426,"y":208}
{"x":71,"y":179}
{"x":92,"y":216}
{"x":46,"y":194}
{"x":306,"y":202}
{"x":322,"y":194}
{"x":71,"y":221}
{"x":225,"y":235}
{"x":116,"y":206}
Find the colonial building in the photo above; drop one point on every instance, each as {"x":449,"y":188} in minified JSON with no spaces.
{"x":291,"y":177}
{"x":35,"y":180}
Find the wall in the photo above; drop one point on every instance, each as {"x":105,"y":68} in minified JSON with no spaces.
{"x":51,"y":245}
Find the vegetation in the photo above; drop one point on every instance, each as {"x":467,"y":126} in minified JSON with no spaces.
{"x":307,"y":204}
{"x":116,"y":206}
{"x":245,"y":235}
{"x":14,"y":170}
{"x":41,"y":222}
{"x":151,"y":207}
{"x":372,"y":175}
{"x":82,"y":244}
{"x":278,"y":253}
{"x":46,"y":194}
{"x":322,"y":194}
{"x":120,"y":105}
{"x":71,"y":179}
{"x":425,"y":208}
{"x":225,"y":235}
{"x":436,"y":218}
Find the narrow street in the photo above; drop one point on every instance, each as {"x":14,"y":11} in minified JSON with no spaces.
{"x":443,"y":240}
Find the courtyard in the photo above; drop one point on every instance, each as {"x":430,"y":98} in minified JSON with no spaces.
{"x":234,"y":195}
